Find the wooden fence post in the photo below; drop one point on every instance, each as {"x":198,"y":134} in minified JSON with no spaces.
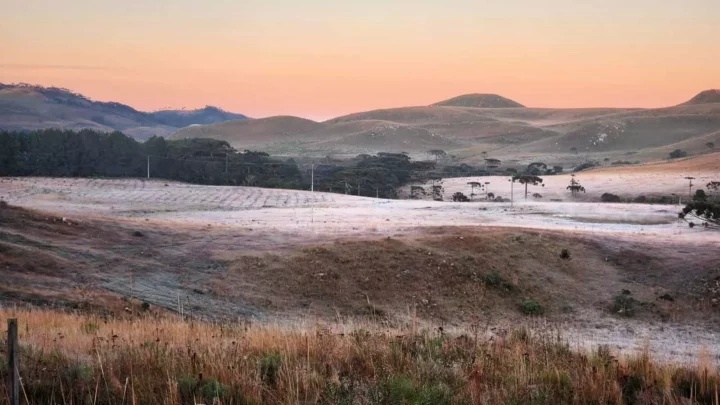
{"x":13,"y":374}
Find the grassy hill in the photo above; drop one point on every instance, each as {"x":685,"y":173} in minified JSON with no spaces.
{"x":26,"y":107}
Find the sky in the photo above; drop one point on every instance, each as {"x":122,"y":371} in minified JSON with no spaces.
{"x":324,"y":58}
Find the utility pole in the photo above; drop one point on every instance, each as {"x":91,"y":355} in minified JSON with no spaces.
{"x":148,"y":167}
{"x":512,"y":191}
{"x":312,"y":177}
{"x":690,"y":179}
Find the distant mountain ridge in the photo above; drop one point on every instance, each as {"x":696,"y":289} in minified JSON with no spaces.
{"x":29,"y":107}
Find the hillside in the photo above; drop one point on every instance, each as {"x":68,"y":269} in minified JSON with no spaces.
{"x":480,"y":101}
{"x":25,"y":107}
{"x":705,"y":97}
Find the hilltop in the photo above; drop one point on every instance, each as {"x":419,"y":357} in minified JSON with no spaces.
{"x":705,"y":97}
{"x":480,"y":101}
{"x":26,"y":107}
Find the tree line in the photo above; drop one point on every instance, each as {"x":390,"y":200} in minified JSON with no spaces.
{"x":88,"y":153}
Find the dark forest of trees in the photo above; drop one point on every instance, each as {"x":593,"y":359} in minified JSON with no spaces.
{"x":88,"y":153}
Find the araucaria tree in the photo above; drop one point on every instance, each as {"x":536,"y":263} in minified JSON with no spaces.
{"x":575,"y":186}
{"x":708,"y":212}
{"x":437,"y":153}
{"x":527,"y":179}
{"x":473,"y":185}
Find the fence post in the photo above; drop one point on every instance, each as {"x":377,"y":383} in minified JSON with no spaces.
{"x":13,"y":374}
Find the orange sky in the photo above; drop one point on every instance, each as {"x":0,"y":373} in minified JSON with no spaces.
{"x":321,"y":58}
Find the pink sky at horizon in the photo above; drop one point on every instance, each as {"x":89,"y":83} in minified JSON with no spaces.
{"x":320,"y":59}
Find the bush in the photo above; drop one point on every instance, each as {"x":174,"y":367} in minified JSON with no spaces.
{"x":3,"y":204}
{"x":532,"y":308}
{"x":269,"y":368}
{"x":641,"y":199}
{"x":586,"y":165}
{"x":138,"y":234}
{"x":609,"y":197}
{"x":623,"y":304}
{"x":460,"y":197}
{"x":565,"y":254}
{"x":700,"y":195}
{"x":677,"y":153}
{"x":494,"y":279}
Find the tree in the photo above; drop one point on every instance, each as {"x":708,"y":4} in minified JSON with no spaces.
{"x":575,"y":186}
{"x":700,"y":195}
{"x":710,"y":145}
{"x":437,"y":153}
{"x":703,"y":211}
{"x":492,"y":164}
{"x":713,"y":186}
{"x":677,"y":153}
{"x":537,"y":196}
{"x":437,"y":192}
{"x":527,"y":179}
{"x":490,"y":196}
{"x":484,"y":154}
{"x":473,"y":185}
{"x":459,"y":197}
{"x":574,"y":150}
{"x":416,"y":192}
{"x":557,"y":169}
{"x":535,"y":168}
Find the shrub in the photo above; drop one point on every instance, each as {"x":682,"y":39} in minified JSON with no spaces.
{"x":3,"y":204}
{"x":586,"y":165}
{"x":269,"y":367}
{"x":700,"y":195}
{"x":460,"y":197}
{"x":211,"y":390}
{"x":609,"y":197}
{"x":494,"y":279}
{"x":532,"y":308}
{"x":641,"y":199}
{"x":138,"y":234}
{"x":623,"y":304}
{"x":565,"y":254}
{"x":677,"y":153}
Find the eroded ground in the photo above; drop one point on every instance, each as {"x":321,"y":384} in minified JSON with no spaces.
{"x":230,"y":252}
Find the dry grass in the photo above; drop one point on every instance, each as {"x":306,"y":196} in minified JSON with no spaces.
{"x":73,"y":359}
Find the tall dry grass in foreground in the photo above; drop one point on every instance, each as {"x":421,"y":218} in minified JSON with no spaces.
{"x":78,"y":359}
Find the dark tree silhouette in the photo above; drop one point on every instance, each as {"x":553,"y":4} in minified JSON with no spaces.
{"x":459,"y":197}
{"x":527,"y":179}
{"x":473,"y":185}
{"x":708,"y":212}
{"x":492,"y":164}
{"x":437,"y":153}
{"x":710,"y":145}
{"x":677,"y":153}
{"x":575,"y":186}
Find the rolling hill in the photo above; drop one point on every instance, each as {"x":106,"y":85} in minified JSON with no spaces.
{"x":480,"y":101}
{"x":25,"y":107}
{"x":467,"y":127}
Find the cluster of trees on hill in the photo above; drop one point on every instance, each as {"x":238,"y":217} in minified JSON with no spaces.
{"x":88,"y":153}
